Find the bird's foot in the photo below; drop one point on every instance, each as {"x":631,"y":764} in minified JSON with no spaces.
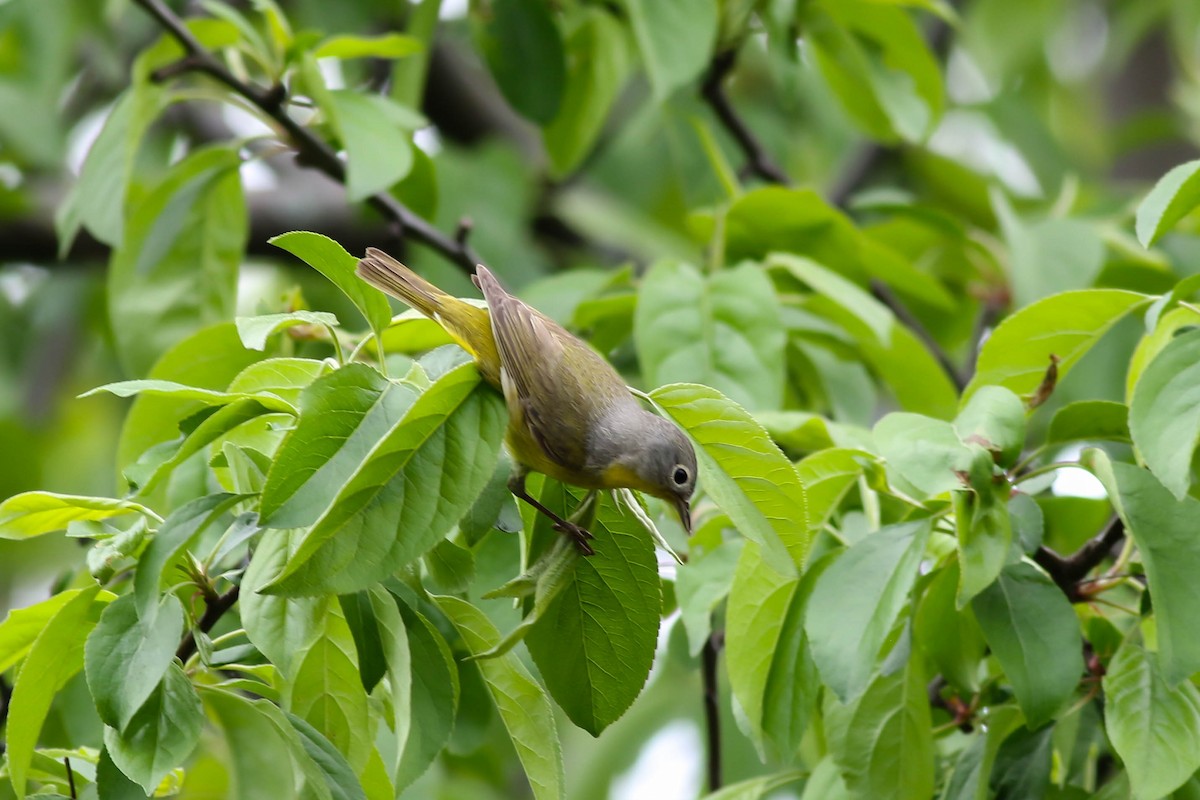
{"x":578,"y":535}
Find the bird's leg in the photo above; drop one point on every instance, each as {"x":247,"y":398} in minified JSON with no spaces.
{"x":579,"y":535}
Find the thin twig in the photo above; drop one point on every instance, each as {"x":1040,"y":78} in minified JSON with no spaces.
{"x":5,"y":700}
{"x":311,"y":150}
{"x":886,"y":296}
{"x":70,"y":778}
{"x":758,"y":162}
{"x":1068,"y":571}
{"x":988,"y":314}
{"x":712,"y":707}
{"x":213,"y":611}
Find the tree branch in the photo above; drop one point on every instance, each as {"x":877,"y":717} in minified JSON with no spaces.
{"x":311,"y":150}
{"x":1068,"y":571}
{"x":712,"y":708}
{"x":213,"y":611}
{"x":885,"y":295}
{"x":758,"y":162}
{"x":5,"y":699}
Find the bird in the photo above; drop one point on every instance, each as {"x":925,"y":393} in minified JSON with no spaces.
{"x":570,"y":414}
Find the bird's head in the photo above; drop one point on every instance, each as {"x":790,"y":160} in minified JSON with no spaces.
{"x":664,"y":464}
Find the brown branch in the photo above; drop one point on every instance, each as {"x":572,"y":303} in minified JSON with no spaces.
{"x":311,"y":150}
{"x":758,"y":162}
{"x":5,"y":700}
{"x":712,"y":707}
{"x":213,"y":611}
{"x":886,"y":296}
{"x":1068,"y":571}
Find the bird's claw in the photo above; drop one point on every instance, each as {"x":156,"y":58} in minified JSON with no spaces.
{"x":578,"y":535}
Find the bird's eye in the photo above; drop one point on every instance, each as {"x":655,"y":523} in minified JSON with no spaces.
{"x":681,"y":476}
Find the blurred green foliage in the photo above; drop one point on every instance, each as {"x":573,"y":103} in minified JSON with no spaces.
{"x":976,"y":281}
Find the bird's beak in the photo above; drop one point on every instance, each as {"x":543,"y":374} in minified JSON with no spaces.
{"x":685,"y":514}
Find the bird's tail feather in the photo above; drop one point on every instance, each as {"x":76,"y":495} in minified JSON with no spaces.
{"x":389,"y":275}
{"x":467,"y":324}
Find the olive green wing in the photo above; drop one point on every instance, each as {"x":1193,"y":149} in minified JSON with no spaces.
{"x":540,"y":383}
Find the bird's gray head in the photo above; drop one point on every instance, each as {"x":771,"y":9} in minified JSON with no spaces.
{"x":666,"y":465}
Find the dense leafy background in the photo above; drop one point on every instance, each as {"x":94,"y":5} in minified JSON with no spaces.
{"x":917,"y":277}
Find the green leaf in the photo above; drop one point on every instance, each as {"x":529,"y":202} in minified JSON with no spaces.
{"x":343,"y":416}
{"x":30,"y":514}
{"x":55,"y":656}
{"x":207,"y":397}
{"x":763,"y":628}
{"x":404,"y":485}
{"x":208,"y":359}
{"x":723,"y":331}
{"x":923,"y":455}
{"x":280,"y":627}
{"x":597,"y":63}
{"x":877,"y":63}
{"x":176,"y":534}
{"x":331,"y":260}
{"x":161,"y":734}
{"x":1065,"y":325}
{"x":892,"y":352}
{"x":675,"y":38}
{"x":1154,"y":728}
{"x":755,"y":788}
{"x":969,"y":780}
{"x":887,"y":752}
{"x":261,"y":768}
{"x":378,"y":150}
{"x":177,"y":266}
{"x":524,"y":707}
{"x":339,"y":777}
{"x":285,"y":378}
{"x":949,"y":636}
{"x":126,"y":657}
{"x":325,"y":689}
{"x":524,"y":52}
{"x":1164,"y":529}
{"x":112,"y":784}
{"x":424,"y":721}
{"x":1034,"y":634}
{"x":144,"y":476}
{"x":847,"y":630}
{"x":700,"y":585}
{"x":872,"y":313}
{"x":1174,"y":197}
{"x":21,"y":626}
{"x":594,"y":644}
{"x":743,"y":471}
{"x":97,"y":200}
{"x":1163,"y":416}
{"x":1090,"y":420}
{"x":994,"y":419}
{"x":388,"y":45}
{"x":1023,"y":764}
{"x":1073,"y":246}
{"x":254,"y":331}
{"x":983,"y":530}
{"x":827,"y":476}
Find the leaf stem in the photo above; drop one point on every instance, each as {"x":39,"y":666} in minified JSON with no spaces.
{"x":311,"y":150}
{"x":337,"y":345}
